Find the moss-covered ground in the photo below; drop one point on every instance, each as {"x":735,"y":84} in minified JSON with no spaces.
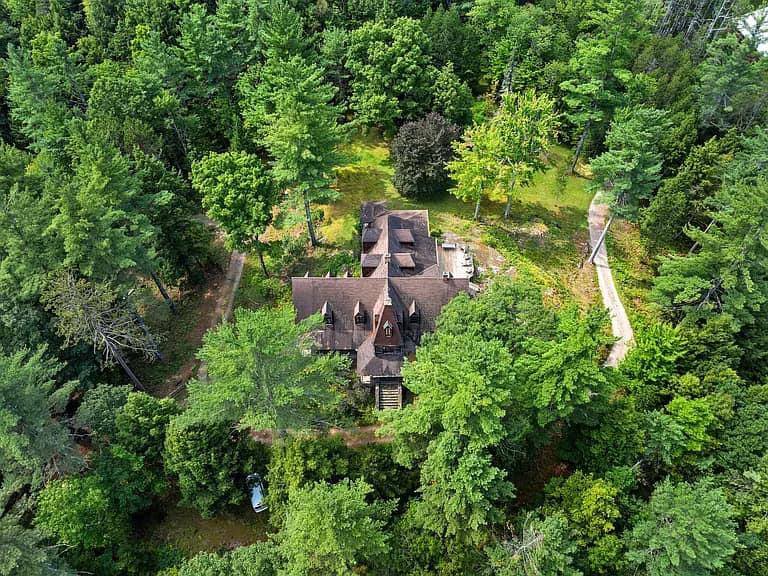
{"x":546,"y":234}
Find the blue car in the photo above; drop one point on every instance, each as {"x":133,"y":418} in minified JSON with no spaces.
{"x":256,"y":489}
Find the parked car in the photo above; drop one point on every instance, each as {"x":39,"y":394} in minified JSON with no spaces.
{"x":256,"y":490}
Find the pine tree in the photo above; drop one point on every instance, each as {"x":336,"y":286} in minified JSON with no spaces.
{"x":105,"y":234}
{"x":600,"y":66}
{"x":630,"y":170}
{"x":728,"y":271}
{"x":292,"y":112}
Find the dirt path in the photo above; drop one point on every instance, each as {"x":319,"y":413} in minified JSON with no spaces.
{"x":620,"y":325}
{"x":353,"y":437}
{"x":218,"y":304}
{"x":226,"y":299}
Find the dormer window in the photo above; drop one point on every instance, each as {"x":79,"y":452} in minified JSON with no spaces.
{"x":387,"y":329}
{"x":327,"y":314}
{"x":413,"y":313}
{"x":359,"y":314}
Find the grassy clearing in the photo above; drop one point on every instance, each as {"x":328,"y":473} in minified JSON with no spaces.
{"x":187,"y":531}
{"x":546,"y":234}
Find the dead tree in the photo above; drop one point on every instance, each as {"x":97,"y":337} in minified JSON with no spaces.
{"x":695,"y":18}
{"x":88,"y":312}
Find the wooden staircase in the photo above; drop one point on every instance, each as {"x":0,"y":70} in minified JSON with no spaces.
{"x":389,"y":395}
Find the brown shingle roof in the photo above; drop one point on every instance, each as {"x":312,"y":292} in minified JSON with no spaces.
{"x":404,"y":260}
{"x":401,"y":276}
{"x":404,"y":236}
{"x":345,"y":295}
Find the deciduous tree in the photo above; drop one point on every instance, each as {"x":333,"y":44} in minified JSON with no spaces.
{"x":392,"y":73}
{"x":254,"y":560}
{"x":332,"y":529}
{"x":534,"y":546}
{"x":77,"y":511}
{"x":210,"y":460}
{"x":475,"y":170}
{"x":527,"y":124}
{"x":261,"y":374}
{"x":564,"y":376}
{"x":239,"y":194}
{"x":683,"y":530}
{"x":464,"y":386}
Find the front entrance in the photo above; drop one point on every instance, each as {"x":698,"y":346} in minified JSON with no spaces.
{"x":388,"y":393}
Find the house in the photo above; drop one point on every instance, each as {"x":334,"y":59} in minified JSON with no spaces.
{"x":380,"y":317}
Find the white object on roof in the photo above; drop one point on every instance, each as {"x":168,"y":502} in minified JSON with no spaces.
{"x":449,"y":246}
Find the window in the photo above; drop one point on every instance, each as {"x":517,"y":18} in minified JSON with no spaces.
{"x":387,"y":329}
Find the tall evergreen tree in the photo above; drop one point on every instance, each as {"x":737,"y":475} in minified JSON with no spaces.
{"x":298,"y":124}
{"x":105,"y":235}
{"x":630,"y":170}
{"x":33,"y":445}
{"x":734,"y":83}
{"x":728,"y":272}
{"x":599,"y":70}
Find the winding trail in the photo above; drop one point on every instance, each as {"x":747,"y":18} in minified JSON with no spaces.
{"x":222,"y":310}
{"x":622,"y":329}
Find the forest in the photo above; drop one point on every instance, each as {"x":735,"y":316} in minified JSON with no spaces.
{"x":166,"y":166}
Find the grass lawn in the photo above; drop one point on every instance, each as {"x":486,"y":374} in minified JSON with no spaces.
{"x":546,"y":235}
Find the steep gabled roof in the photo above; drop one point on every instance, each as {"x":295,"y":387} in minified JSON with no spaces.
{"x":398,"y":298}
